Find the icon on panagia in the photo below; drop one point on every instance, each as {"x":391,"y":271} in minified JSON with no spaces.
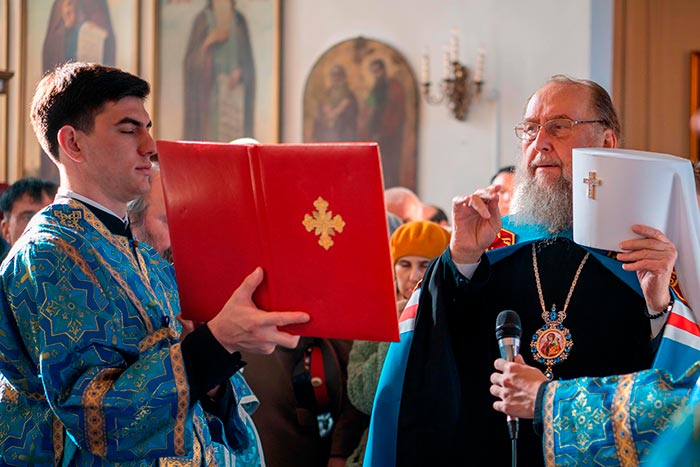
{"x":324,"y":223}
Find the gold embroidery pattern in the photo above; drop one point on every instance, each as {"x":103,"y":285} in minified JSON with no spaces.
{"x":152,"y":339}
{"x":676,"y":286}
{"x":622,"y":429}
{"x":73,"y":254}
{"x":195,"y":460}
{"x":123,"y":245}
{"x":72,"y":219}
{"x":130,"y":293}
{"x":207,"y":450}
{"x":548,"y":434}
{"x":584,"y":420}
{"x":323,"y":223}
{"x":507,"y":237}
{"x":58,"y":441}
{"x":183,"y":398}
{"x":93,"y":399}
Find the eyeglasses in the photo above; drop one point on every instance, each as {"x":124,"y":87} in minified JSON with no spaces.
{"x":558,"y":127}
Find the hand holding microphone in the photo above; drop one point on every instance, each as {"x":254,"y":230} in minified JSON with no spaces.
{"x":508,"y":332}
{"x":515,"y":385}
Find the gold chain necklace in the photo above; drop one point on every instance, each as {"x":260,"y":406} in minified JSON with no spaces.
{"x":552,"y":343}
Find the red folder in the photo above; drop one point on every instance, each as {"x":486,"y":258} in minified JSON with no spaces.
{"x":312,"y":215}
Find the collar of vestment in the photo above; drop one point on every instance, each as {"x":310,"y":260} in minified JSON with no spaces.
{"x":513,"y":237}
{"x":115,"y":224}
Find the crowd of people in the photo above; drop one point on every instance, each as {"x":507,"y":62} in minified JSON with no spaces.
{"x":98,"y":367}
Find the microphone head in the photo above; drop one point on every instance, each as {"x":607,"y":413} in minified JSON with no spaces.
{"x":508,"y":325}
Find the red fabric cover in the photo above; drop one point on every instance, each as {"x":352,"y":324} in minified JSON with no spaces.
{"x":233,"y":207}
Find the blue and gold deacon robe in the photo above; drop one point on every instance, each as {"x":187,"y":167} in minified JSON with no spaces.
{"x":91,"y":363}
{"x":616,"y":420}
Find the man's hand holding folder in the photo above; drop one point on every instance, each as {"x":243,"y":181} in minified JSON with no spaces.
{"x":242,"y":326}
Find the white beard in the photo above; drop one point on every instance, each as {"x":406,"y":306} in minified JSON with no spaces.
{"x":535,"y":203}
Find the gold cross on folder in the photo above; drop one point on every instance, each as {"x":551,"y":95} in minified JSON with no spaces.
{"x":592,"y":182}
{"x":323,"y":223}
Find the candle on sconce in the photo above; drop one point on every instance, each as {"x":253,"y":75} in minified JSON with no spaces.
{"x":425,"y":69}
{"x":454,"y":45}
{"x":446,"y":64}
{"x":479,"y":70}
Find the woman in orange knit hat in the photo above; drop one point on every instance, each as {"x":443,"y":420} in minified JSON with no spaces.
{"x":413,"y":245}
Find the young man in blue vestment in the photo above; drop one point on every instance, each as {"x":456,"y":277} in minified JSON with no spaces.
{"x":607,"y":313}
{"x":95,"y":370}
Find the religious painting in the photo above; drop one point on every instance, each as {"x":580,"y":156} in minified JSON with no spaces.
{"x":364,"y":90}
{"x":217,"y":70}
{"x":55,"y":31}
{"x":550,"y":344}
{"x":695,"y":106}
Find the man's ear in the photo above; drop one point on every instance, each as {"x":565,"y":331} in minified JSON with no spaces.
{"x":69,"y":143}
{"x":5,"y":226}
{"x":610,"y":139}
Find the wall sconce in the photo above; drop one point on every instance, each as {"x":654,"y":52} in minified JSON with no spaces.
{"x":457,"y":87}
{"x":4,"y":80}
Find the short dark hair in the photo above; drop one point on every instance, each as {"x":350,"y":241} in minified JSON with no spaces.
{"x":35,"y":188}
{"x":439,"y":216}
{"x":73,"y":93}
{"x":509,"y":169}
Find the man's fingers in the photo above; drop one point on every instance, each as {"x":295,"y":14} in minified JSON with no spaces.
{"x":477,"y":204}
{"x":253,"y":280}
{"x":287,"y":340}
{"x":284,"y":318}
{"x":653,"y":239}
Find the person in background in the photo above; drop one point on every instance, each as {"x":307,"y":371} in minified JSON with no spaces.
{"x":404,"y":203}
{"x":149,"y":219}
{"x":95,"y":368}
{"x":293,"y":431}
{"x":435,"y":214}
{"x":413,"y":245}
{"x":20,"y":201}
{"x":393,"y":221}
{"x":504,"y":177}
{"x":555,"y":285}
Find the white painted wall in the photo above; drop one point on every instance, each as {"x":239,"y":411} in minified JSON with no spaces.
{"x":525,"y":42}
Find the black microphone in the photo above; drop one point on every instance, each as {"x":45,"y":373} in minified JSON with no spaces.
{"x":508,"y":332}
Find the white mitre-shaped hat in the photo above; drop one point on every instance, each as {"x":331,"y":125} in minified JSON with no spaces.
{"x":616,"y":188}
